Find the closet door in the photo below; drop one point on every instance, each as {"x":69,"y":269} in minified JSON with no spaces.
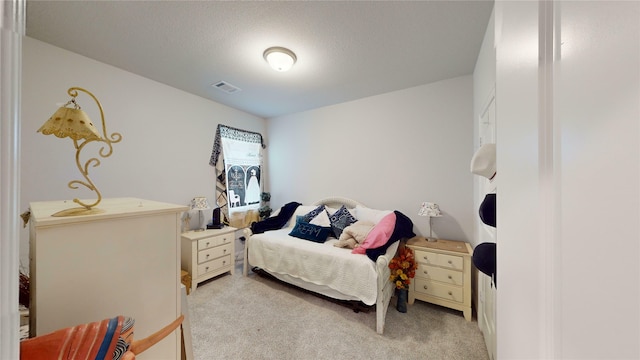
{"x":486,"y":289}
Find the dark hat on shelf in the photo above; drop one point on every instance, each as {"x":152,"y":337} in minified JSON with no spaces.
{"x":487,"y":210}
{"x":484,"y":259}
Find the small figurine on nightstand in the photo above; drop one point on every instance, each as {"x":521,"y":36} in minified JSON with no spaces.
{"x":186,"y":221}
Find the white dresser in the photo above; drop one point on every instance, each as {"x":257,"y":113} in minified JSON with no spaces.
{"x":124,"y":261}
{"x":443,"y":276}
{"x":208,"y":253}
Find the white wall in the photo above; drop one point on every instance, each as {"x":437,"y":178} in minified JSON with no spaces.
{"x":391,"y":151}
{"x":597,"y":115}
{"x":167,"y":133}
{"x":569,"y":165}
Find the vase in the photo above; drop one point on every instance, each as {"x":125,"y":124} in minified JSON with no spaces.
{"x":401,"y":304}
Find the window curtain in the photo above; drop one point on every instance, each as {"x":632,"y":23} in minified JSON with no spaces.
{"x":237,"y":157}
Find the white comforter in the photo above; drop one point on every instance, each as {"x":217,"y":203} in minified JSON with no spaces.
{"x":317,"y":263}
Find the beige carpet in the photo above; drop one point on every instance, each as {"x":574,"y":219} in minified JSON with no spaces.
{"x":233,"y":317}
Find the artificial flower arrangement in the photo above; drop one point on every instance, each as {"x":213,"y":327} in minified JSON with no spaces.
{"x":403,"y":268}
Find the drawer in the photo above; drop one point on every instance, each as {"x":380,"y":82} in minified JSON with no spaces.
{"x":215,"y":241}
{"x":431,"y":258}
{"x":214,"y":265}
{"x":448,"y":276}
{"x":448,"y":292}
{"x":213,"y":253}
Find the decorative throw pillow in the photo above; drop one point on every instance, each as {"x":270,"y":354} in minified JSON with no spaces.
{"x":313,"y":213}
{"x":307,"y":231}
{"x":379,"y":235}
{"x":321,"y":219}
{"x":366,"y":214}
{"x":340,"y":220}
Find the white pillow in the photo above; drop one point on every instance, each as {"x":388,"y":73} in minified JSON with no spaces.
{"x":371,"y":215}
{"x":322,"y":219}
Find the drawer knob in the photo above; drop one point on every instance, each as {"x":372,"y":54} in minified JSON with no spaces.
{"x":450,"y":262}
{"x":207,"y":255}
{"x":426,"y":272}
{"x":208,"y":243}
{"x":224,"y":261}
{"x":224,"y":251}
{"x":425,"y":287}
{"x":450,"y":293}
{"x":207,"y":268}
{"x":450,"y":278}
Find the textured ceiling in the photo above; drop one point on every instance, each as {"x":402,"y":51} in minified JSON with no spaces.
{"x":346,"y":50}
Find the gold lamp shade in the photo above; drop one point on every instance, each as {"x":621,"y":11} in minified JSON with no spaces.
{"x":69,"y":122}
{"x":74,"y":123}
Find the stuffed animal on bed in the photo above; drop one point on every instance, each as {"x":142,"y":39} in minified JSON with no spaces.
{"x":354,"y":234}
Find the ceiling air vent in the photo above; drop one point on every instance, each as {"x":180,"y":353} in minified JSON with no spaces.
{"x":226,"y":87}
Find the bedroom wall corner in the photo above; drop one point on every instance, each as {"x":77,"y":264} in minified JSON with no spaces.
{"x":392,"y":151}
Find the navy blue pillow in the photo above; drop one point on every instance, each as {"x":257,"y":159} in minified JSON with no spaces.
{"x":340,"y":220}
{"x":306,"y":231}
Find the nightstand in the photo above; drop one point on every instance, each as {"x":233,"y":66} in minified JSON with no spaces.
{"x":443,"y":276}
{"x":208,"y":253}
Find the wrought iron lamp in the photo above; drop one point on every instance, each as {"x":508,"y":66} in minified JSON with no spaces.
{"x":74,"y":123}
{"x":431,"y":210}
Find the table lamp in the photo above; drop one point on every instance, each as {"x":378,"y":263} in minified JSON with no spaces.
{"x":200,"y":203}
{"x":431,"y":210}
{"x":74,"y":123}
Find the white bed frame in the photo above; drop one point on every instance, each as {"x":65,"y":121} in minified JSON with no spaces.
{"x":385,"y":288}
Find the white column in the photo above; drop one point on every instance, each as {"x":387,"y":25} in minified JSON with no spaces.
{"x":12,"y":19}
{"x":520,"y":264}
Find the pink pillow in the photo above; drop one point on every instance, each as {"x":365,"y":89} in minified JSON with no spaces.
{"x":379,"y":235}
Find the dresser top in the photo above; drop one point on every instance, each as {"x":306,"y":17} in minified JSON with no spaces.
{"x":41,"y":212}
{"x":196,"y":235}
{"x":441,"y":244}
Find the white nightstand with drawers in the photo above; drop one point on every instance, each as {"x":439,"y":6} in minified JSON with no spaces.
{"x":443,"y":276}
{"x":208,"y":253}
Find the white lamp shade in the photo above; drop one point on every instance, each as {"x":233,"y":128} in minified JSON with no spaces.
{"x":430,"y":209}
{"x":200,"y":203}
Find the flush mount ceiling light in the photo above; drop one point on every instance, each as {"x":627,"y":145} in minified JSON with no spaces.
{"x":279,"y":58}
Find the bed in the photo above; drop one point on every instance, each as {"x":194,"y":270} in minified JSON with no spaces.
{"x":326,"y":269}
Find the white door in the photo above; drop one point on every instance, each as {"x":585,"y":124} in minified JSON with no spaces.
{"x":486,"y":289}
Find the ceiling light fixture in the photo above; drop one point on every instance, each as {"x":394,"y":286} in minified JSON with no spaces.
{"x":279,"y":58}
